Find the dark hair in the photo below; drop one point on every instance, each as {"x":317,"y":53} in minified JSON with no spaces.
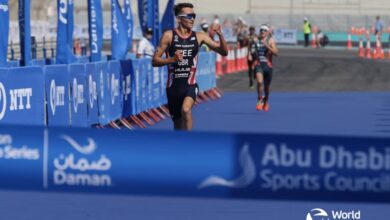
{"x":178,"y":7}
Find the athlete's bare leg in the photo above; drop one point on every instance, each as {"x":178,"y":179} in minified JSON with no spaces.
{"x":267,"y":85}
{"x":178,"y":124}
{"x":260,"y":84}
{"x":186,"y":113}
{"x":250,"y":74}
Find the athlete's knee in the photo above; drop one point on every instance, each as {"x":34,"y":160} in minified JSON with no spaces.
{"x":187,"y":111}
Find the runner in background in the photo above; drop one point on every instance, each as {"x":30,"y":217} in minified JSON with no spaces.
{"x":252,"y":55}
{"x":265,"y":48}
{"x":181,"y":46}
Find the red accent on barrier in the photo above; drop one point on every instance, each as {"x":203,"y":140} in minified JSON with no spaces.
{"x":245,"y":58}
{"x":146,"y":118}
{"x":313,"y":40}
{"x":368,"y":49}
{"x":239,"y":59}
{"x":126,"y":123}
{"x":158,"y":113}
{"x":211,"y":93}
{"x":388,"y":51}
{"x":349,"y":42}
{"x":202,"y":96}
{"x":137,"y":121}
{"x":114,"y":125}
{"x":380,"y":54}
{"x":151,"y":114}
{"x":361,"y":50}
{"x":218,"y":92}
{"x":229,"y":61}
{"x":218,"y":65}
{"x":164,"y":108}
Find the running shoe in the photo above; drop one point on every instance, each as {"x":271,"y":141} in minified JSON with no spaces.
{"x":259,"y":105}
{"x":266,"y":106}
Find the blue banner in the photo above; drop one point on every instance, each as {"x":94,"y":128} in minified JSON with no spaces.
{"x":156,"y":23}
{"x":168,"y":19}
{"x":103,"y":83}
{"x":115,"y":89}
{"x":250,"y":166}
{"x":22,"y":98}
{"x":95,"y":29}
{"x":130,"y":24}
{"x":119,"y":29}
{"x":143,"y":9}
{"x":57,"y":95}
{"x":65,"y":32}
{"x":78,"y":95}
{"x":148,"y":11}
{"x":92,"y":88}
{"x":4,"y":30}
{"x":24,"y":32}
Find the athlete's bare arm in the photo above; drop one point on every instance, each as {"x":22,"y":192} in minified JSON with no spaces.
{"x":162,"y":47}
{"x":271,"y":45}
{"x":219,"y":47}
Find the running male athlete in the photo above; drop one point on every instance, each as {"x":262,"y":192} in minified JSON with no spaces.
{"x":266,"y":48}
{"x":181,"y":46}
{"x":251,"y":55}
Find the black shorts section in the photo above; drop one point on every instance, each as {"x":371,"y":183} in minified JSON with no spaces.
{"x":176,"y":96}
{"x":264,"y":69}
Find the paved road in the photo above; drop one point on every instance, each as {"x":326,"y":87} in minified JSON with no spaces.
{"x":319,"y":70}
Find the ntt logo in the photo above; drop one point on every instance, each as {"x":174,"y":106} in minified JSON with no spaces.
{"x":321,"y":214}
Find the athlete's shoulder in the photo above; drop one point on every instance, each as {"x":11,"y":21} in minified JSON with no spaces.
{"x":272,"y":40}
{"x":167,"y":36}
{"x":200,"y":34}
{"x":168,"y":33}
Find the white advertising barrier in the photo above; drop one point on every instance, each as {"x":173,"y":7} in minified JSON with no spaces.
{"x":286,"y":36}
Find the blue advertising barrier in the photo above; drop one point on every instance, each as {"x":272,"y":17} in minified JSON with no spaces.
{"x":156,"y":87}
{"x":115,"y":89}
{"x":92,"y":88}
{"x":22,"y":98}
{"x":38,"y":62}
{"x":78,"y":95}
{"x":210,"y":165}
{"x":83,"y":59}
{"x":3,"y":93}
{"x":135,"y":85}
{"x":13,"y":63}
{"x":127,"y":67}
{"x":103,"y":92}
{"x":164,"y":79}
{"x":141,"y":85}
{"x":57,"y":95}
{"x":206,"y":71}
{"x":149,"y":104}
